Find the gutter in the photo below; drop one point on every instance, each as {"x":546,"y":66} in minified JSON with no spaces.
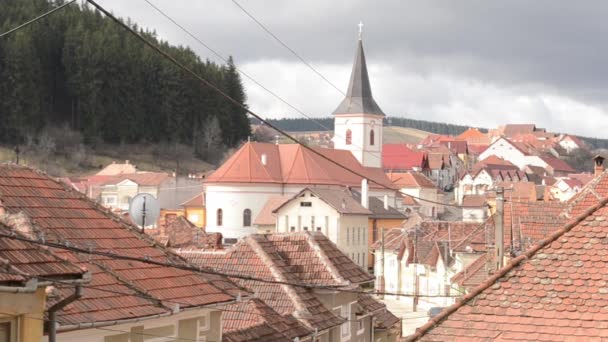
{"x":33,"y":284}
{"x":52,"y":311}
{"x":176,"y":310}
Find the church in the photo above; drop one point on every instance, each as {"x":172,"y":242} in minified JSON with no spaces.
{"x":238,"y":190}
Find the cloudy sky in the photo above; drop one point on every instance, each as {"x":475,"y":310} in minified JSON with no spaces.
{"x":480,"y":63}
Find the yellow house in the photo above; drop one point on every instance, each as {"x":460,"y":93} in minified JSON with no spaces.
{"x":194,"y":210}
{"x":26,"y":272}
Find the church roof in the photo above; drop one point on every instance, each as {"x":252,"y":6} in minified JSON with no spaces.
{"x":359,"y":98}
{"x":293,"y":164}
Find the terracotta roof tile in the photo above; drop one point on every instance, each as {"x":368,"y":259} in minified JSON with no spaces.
{"x":294,"y":164}
{"x":410,"y":180}
{"x":64,"y":215}
{"x":266,"y":217}
{"x":554,"y":291}
{"x":297,"y":257}
{"x":399,"y":157}
{"x":253,"y":320}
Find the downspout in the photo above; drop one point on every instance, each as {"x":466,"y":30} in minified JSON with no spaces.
{"x":52,"y":323}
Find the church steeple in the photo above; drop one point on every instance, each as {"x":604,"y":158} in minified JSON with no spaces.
{"x":358,"y":119}
{"x":359,"y":98}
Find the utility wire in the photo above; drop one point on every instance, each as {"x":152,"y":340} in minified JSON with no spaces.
{"x":36,"y":19}
{"x":242,"y":106}
{"x":286,"y":46}
{"x":194,"y":269}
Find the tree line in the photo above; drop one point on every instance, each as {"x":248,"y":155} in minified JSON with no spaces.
{"x":78,"y":68}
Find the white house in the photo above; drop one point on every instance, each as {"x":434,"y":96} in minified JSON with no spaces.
{"x":509,"y":151}
{"x":422,"y":189}
{"x":333,"y":212}
{"x":570,"y":143}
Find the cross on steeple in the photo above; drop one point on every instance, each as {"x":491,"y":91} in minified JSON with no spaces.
{"x":360,"y":29}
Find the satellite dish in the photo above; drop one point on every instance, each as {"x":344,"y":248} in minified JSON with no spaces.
{"x":144,"y":210}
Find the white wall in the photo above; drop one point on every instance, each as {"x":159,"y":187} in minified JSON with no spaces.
{"x":360,"y":126}
{"x":348,"y":232}
{"x":503,"y":149}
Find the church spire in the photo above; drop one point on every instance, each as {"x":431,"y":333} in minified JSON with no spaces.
{"x":359,"y":98}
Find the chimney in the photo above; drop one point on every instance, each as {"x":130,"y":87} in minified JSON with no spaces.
{"x":599,"y":165}
{"x":499,"y":244}
{"x":385,"y":202}
{"x":364,"y":194}
{"x":127,"y":162}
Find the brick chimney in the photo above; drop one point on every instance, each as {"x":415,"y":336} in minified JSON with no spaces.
{"x":599,"y":165}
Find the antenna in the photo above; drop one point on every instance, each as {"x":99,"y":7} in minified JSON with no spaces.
{"x":144,"y":208}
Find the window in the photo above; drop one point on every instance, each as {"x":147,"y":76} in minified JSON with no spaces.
{"x":7,"y":331}
{"x":305,"y":204}
{"x":345,"y":313}
{"x":305,"y":228}
{"x":292,"y":229}
{"x":219,"y":217}
{"x":371,"y":137}
{"x":109,"y":200}
{"x":349,"y":137}
{"x":193,"y":218}
{"x":247,"y":218}
{"x":360,"y":326}
{"x":318,"y":229}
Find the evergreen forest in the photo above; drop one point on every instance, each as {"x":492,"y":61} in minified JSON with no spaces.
{"x":78,"y":69}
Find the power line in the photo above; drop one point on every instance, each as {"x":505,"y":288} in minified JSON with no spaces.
{"x":200,"y":270}
{"x":36,"y":19}
{"x":286,"y":46}
{"x":242,"y":106}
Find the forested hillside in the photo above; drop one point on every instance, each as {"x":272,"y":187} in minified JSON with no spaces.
{"x":304,"y":125}
{"x":79,"y":69}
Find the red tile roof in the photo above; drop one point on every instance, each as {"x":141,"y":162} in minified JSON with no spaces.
{"x":196,"y":201}
{"x":456,"y":146}
{"x":64,"y":215}
{"x":266,"y":217}
{"x":477,"y":149}
{"x":517,"y":129}
{"x":473,"y":274}
{"x":294,"y":164}
{"x":304,"y":257}
{"x":474,"y":137}
{"x":340,"y":200}
{"x":410,"y":180}
{"x":557,"y":164}
{"x":474,"y":201}
{"x":384,"y":319}
{"x":253,"y":320}
{"x":22,"y":260}
{"x":554,"y":291}
{"x":399,"y":157}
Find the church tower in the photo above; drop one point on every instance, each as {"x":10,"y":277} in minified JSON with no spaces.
{"x":358,"y":119}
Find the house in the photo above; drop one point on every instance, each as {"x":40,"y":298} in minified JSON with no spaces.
{"x":28,"y":271}
{"x":422,"y":189}
{"x":124,"y":299}
{"x":178,"y":232}
{"x":571,"y":143}
{"x":556,"y":167}
{"x":116,"y":169}
{"x":306,"y":257}
{"x":382,"y":217}
{"x":474,"y":137}
{"x":194,"y":210}
{"x":174,"y":192}
{"x":515,"y":153}
{"x":484,"y":176}
{"x":421,"y":260}
{"x":474,"y":208}
{"x":266,"y":221}
{"x":333,"y":212}
{"x":401,"y":158}
{"x":445,"y":166}
{"x":553,"y":291}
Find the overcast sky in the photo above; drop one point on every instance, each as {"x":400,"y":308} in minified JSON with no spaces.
{"x":480,"y":63}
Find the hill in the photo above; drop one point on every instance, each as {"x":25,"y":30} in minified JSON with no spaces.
{"x":404,"y":135}
{"x":78,"y":68}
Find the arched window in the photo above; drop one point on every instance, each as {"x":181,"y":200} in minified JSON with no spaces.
{"x":247,"y":217}
{"x":371,"y":137}
{"x":349,"y":137}
{"x":219,"y":217}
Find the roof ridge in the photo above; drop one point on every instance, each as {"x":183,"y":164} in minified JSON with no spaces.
{"x":279,"y":275}
{"x":506,"y":269}
{"x":324,"y":258}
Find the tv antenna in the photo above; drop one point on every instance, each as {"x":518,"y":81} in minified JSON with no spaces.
{"x":144,"y":208}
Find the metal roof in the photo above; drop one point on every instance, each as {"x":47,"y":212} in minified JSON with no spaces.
{"x":359,"y":98}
